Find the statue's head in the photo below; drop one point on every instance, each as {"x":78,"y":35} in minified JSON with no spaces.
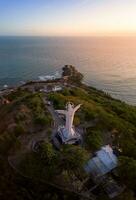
{"x":69,"y":105}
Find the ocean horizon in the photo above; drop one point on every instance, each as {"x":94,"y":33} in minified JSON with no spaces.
{"x":107,"y":63}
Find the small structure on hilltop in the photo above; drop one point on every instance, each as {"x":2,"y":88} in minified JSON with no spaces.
{"x":67,"y":133}
{"x":56,"y":88}
{"x":104,"y":161}
{"x":51,"y":88}
{"x":100,"y":167}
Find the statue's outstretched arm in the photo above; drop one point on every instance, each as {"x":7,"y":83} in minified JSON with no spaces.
{"x":77,"y":107}
{"x":63,"y":112}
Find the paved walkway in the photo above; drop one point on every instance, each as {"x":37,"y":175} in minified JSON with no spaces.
{"x":58,"y":121}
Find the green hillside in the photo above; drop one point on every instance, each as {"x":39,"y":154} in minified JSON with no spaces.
{"x":103,"y":119}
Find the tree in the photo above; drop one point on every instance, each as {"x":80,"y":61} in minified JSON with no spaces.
{"x":59,"y":101}
{"x":47,"y":153}
{"x":127,"y":171}
{"x":42,"y":119}
{"x":72,"y":74}
{"x":19,"y":129}
{"x":127,"y":195}
{"x":73,"y":158}
{"x":94,"y":140}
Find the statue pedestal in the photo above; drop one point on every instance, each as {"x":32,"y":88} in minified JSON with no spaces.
{"x":69,"y":138}
{"x":67,"y":134}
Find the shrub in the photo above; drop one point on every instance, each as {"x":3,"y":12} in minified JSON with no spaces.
{"x":19,"y":130}
{"x":127,"y":171}
{"x":6,"y":142}
{"x":58,"y":100}
{"x":42,"y":119}
{"x":94,"y":140}
{"x":73,"y":158}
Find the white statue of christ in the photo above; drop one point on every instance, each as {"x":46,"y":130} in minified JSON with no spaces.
{"x":69,"y":114}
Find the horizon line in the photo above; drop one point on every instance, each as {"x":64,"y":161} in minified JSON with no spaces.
{"x":68,"y":36}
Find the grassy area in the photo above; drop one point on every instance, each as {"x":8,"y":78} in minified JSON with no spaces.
{"x":112,"y":118}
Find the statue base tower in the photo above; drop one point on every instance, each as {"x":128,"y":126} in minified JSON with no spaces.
{"x":66,"y":139}
{"x":67,"y":133}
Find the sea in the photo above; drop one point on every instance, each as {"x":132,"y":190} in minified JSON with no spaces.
{"x":107,"y":63}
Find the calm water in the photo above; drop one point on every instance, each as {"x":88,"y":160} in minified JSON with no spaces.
{"x":107,"y":63}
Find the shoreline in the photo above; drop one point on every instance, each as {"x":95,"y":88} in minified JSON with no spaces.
{"x":42,"y":83}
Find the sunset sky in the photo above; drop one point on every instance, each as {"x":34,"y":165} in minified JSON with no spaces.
{"x":68,"y":18}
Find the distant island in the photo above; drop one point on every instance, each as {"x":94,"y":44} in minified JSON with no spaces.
{"x":62,"y":139}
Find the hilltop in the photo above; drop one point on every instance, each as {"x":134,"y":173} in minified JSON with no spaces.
{"x":31,"y":168}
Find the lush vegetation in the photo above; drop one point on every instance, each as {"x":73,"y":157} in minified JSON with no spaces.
{"x":72,"y":74}
{"x":56,"y":167}
{"x":103,"y":119}
{"x":111,"y":121}
{"x":40,"y":115}
{"x":19,"y":119}
{"x":93,"y":140}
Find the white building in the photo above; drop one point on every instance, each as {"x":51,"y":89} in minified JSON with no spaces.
{"x":100,"y":168}
{"x":101,"y":164}
{"x":51,"y":88}
{"x":56,"y":88}
{"x":67,"y":133}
